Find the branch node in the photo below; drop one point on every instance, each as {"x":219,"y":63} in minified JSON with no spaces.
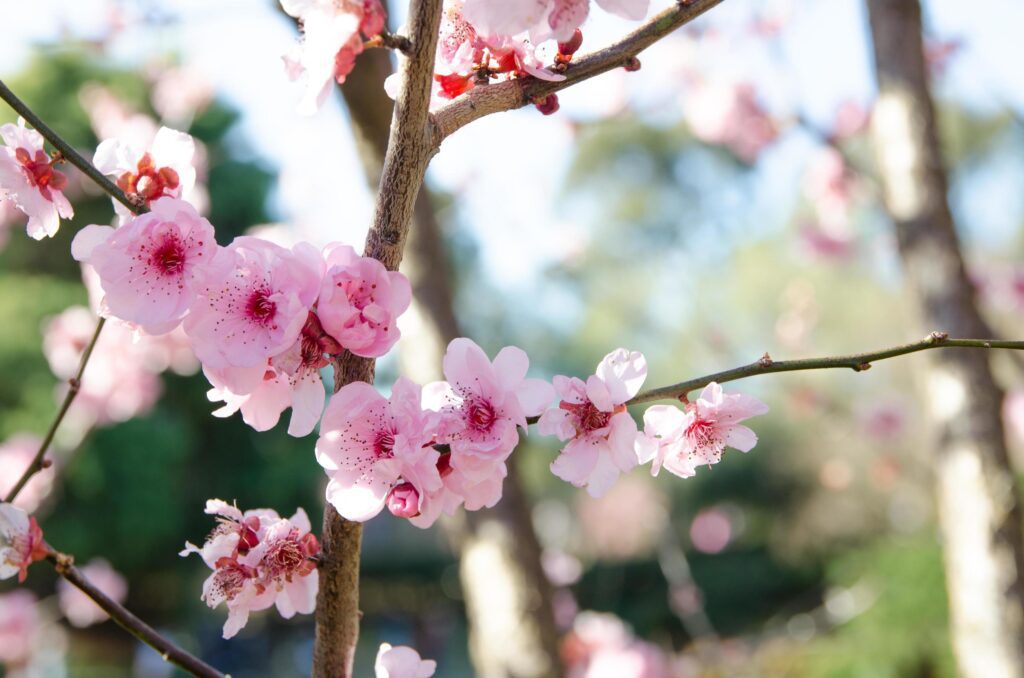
{"x":75,"y":383}
{"x":632,"y":64}
{"x":684,"y":399}
{"x":937,"y":337}
{"x":45,"y":463}
{"x":862,"y":367}
{"x":62,"y":562}
{"x":766,"y":360}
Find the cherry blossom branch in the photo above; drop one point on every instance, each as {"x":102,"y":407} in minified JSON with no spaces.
{"x":410,"y":148}
{"x":390,"y":41}
{"x":67,"y":152}
{"x":64,"y":565}
{"x":38,"y":462}
{"x":512,"y":94}
{"x":858,"y":362}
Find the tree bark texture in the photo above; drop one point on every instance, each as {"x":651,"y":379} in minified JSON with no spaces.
{"x":508,"y":598}
{"x":979,"y":509}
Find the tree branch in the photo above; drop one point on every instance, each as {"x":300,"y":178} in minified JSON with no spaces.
{"x":410,"y":148}
{"x":67,"y":152}
{"x":64,"y":565}
{"x":74,"y":385}
{"x":858,"y":362}
{"x":512,"y":94}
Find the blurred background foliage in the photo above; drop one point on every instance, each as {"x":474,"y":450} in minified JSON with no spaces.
{"x":829,"y":565}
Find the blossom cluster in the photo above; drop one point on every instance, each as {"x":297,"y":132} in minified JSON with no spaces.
{"x":258,"y":560}
{"x":426,"y":451}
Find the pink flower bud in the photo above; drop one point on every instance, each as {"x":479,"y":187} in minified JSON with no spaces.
{"x":548,"y":104}
{"x":404,"y":501}
{"x":569,"y":47}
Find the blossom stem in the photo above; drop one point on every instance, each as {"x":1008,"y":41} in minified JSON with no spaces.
{"x":74,"y":386}
{"x":67,"y":152}
{"x":512,"y":94}
{"x":64,"y":565}
{"x":858,"y":362}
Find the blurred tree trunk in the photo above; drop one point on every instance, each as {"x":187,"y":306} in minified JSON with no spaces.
{"x":508,"y":598}
{"x":979,"y":509}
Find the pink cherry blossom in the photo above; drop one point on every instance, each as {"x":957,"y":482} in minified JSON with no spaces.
{"x":683,"y":441}
{"x":368,"y":444}
{"x":543,"y":19}
{"x":477,"y":488}
{"x":164,"y":170}
{"x":290,"y":379}
{"x":19,"y":619}
{"x":360,"y":301}
{"x":332,"y":33}
{"x":592,"y":416}
{"x":79,"y":608}
{"x":483,"y":403}
{"x":21,"y":542}
{"x":402,"y":662}
{"x":16,"y":454}
{"x":254,"y":298}
{"x":29,"y":181}
{"x":148,"y":267}
{"x":258,"y":559}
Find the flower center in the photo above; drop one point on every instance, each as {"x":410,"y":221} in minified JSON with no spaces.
{"x":149,"y":181}
{"x":40,"y":173}
{"x":481,"y":415}
{"x":169,"y":258}
{"x":384,"y":445}
{"x":586,"y":416}
{"x":260,"y":308}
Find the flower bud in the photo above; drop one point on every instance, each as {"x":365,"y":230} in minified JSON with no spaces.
{"x":404,"y":501}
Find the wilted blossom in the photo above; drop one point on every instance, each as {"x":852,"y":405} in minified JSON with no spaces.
{"x":80,"y":609}
{"x":332,"y":37}
{"x":402,"y":662}
{"x":149,"y":266}
{"x":258,"y":559}
{"x":21,"y":542}
{"x":592,"y":416}
{"x":360,"y":301}
{"x":600,"y":645}
{"x":163,"y":170}
{"x":29,"y":181}
{"x":253,"y":300}
{"x":374,"y":447}
{"x":682,"y":441}
{"x":16,"y":454}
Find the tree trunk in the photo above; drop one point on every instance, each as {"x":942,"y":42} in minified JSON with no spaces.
{"x":979,"y":510}
{"x":508,"y":598}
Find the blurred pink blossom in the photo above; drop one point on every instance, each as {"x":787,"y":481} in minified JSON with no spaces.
{"x":610,"y":532}
{"x":16,"y":453}
{"x":79,"y":608}
{"x":711,"y":530}
{"x":179,"y":93}
{"x":402,"y":662}
{"x":18,"y":621}
{"x":600,"y":645}
{"x":729,"y":115}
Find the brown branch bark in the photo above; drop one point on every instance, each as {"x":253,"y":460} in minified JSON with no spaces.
{"x":409,"y":151}
{"x":64,"y":565}
{"x":979,"y":509}
{"x":513,"y":94}
{"x":499,"y":550}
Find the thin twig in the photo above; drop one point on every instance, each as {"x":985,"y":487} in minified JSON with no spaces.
{"x":512,"y":94}
{"x":76,"y":159}
{"x":64,"y":565}
{"x":66,"y":150}
{"x":858,"y":362}
{"x":74,"y":386}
